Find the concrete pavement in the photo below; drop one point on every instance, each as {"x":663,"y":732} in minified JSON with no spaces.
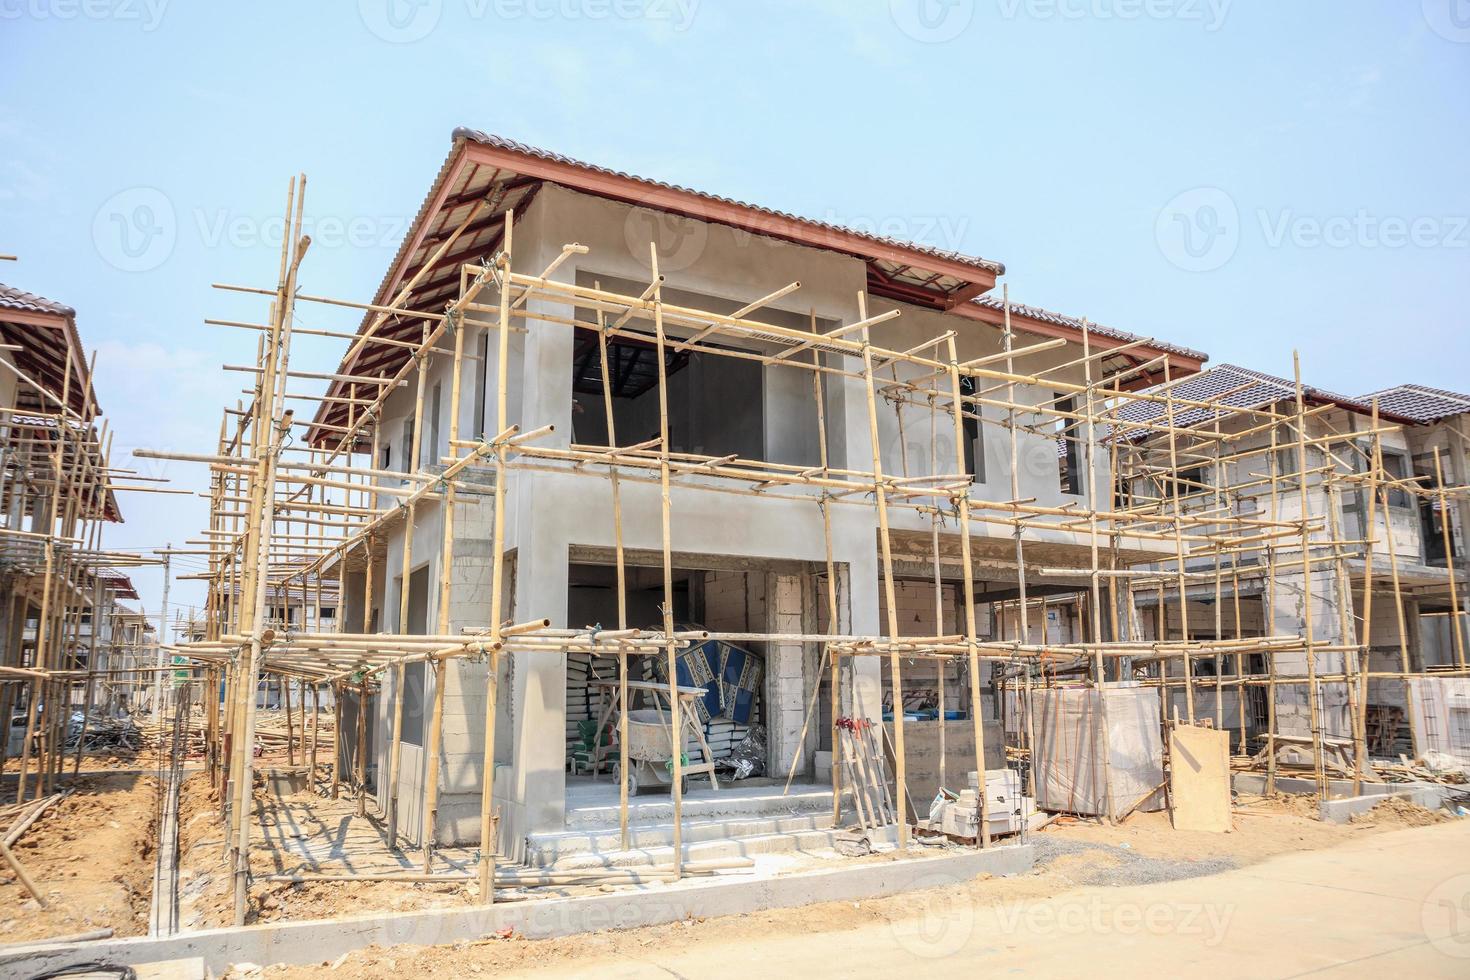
{"x":1392,"y":904}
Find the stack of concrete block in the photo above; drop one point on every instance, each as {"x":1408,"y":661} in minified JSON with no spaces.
{"x":1008,"y":806}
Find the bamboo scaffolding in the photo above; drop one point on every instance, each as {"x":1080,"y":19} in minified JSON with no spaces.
{"x":285,"y":519}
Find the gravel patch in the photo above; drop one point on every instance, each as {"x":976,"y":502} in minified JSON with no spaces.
{"x":1131,"y":868}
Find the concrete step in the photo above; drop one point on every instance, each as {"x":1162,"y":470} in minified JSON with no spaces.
{"x":703,"y":848}
{"x":544,"y":850}
{"x":704,"y":804}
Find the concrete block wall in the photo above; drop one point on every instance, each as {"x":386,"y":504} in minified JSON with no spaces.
{"x":1202,"y":616}
{"x":1059,"y":622}
{"x":916,"y":617}
{"x":734,"y":601}
{"x":1293,"y":706}
{"x":462,"y":772}
{"x":1437,"y":638}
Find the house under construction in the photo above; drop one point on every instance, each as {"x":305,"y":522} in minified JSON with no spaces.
{"x":618,"y":487}
{"x":69,"y":649}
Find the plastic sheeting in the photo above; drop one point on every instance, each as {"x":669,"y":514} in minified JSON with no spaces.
{"x":1069,"y":753}
{"x":749,"y":757}
{"x":1441,"y":707}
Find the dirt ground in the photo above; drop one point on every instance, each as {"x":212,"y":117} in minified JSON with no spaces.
{"x":1396,"y":812}
{"x":207,"y":892}
{"x":1071,"y":853}
{"x":92,"y":856}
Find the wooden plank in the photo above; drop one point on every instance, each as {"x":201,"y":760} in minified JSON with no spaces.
{"x":1199,"y":778}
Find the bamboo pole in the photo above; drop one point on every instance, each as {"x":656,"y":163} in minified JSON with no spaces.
{"x":1308,"y":637}
{"x":1457,"y":628}
{"x":1368,"y":508}
{"x":43,"y":624}
{"x":337,"y":741}
{"x":362,"y":713}
{"x":1023,"y":630}
{"x":833,"y":614}
{"x":619,"y":562}
{"x":1180,"y":585}
{"x":977,"y":702}
{"x":671,"y":655}
{"x":880,"y":494}
{"x":269,"y":440}
{"x":488,"y":842}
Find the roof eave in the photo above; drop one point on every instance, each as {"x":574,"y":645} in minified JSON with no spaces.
{"x":1180,"y":364}
{"x":661,"y":197}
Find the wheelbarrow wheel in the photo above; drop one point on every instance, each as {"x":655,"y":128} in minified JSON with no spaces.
{"x":631,"y":777}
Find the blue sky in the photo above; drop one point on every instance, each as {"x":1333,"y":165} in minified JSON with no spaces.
{"x":1239,"y":177}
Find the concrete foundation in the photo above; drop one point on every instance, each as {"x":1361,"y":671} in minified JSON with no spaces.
{"x":1341,"y":804}
{"x":325,"y":940}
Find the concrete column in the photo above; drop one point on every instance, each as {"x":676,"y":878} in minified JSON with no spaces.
{"x":785,"y":678}
{"x":864,"y":583}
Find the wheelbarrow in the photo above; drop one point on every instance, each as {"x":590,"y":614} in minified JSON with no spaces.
{"x":650,"y":756}
{"x":649,"y":745}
